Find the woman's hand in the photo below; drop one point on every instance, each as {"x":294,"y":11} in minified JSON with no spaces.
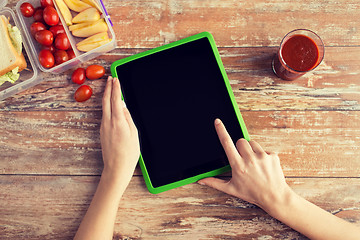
{"x":118,"y":134}
{"x":257,"y":176}
{"x":120,"y":148}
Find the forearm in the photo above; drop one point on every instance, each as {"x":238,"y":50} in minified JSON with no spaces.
{"x":312,"y":221}
{"x":99,"y":220}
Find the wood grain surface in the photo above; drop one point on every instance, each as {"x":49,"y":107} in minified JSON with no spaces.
{"x":334,"y":85}
{"x":58,"y":204}
{"x":50,"y":153}
{"x":310,"y":143}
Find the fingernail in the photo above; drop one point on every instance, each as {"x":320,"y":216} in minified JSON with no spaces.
{"x":217,"y":121}
{"x":109,"y":78}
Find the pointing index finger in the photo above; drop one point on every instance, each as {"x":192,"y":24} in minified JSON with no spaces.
{"x":227,"y":143}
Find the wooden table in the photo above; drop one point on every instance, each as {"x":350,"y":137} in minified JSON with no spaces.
{"x":50,"y":155}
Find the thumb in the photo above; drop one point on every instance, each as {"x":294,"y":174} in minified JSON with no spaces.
{"x":216,"y":183}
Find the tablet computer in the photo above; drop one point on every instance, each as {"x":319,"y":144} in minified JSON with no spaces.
{"x":174,"y":94}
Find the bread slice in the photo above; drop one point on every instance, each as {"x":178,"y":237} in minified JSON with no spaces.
{"x":10,"y":59}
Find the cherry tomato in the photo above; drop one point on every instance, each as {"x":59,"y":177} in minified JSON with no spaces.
{"x":51,"y":17}
{"x":38,"y":15}
{"x":27,"y":9}
{"x":78,"y":76}
{"x":51,"y":48}
{"x":83,"y":93}
{"x":62,"y":42}
{"x":71,"y":53}
{"x":94,"y":72}
{"x":44,"y":37}
{"x":46,"y":59}
{"x":45,"y":3}
{"x":60,"y":56}
{"x":36,"y":26}
{"x":57,"y":29}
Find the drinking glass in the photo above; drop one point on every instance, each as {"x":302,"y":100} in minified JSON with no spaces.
{"x":301,"y":51}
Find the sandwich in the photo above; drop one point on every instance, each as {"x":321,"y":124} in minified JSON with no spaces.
{"x":12,"y":60}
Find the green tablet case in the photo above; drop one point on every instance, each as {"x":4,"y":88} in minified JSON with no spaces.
{"x":212,"y":173}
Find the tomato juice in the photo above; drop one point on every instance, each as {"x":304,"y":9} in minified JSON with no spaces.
{"x":298,"y":54}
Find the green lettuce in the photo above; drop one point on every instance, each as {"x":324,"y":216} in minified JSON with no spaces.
{"x":11,"y":76}
{"x":15,"y":37}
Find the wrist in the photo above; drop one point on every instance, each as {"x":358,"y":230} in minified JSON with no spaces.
{"x":116,"y":178}
{"x":277,"y":206}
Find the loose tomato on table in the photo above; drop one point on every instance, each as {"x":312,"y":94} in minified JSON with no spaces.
{"x":27,"y":10}
{"x":44,"y":37}
{"x":62,"y":42}
{"x":83,"y":93}
{"x":51,"y":17}
{"x":46,"y":59}
{"x":95,"y":72}
{"x":78,"y":76}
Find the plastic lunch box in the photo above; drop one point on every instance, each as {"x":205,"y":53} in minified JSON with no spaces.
{"x":32,"y":75}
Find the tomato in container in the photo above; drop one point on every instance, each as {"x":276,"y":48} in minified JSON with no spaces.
{"x":80,"y":45}
{"x":27,"y":9}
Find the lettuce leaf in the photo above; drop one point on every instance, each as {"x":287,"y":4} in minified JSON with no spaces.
{"x":15,"y":37}
{"x":11,"y":76}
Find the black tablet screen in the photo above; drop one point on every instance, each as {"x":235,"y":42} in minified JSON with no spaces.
{"x":174,"y":96}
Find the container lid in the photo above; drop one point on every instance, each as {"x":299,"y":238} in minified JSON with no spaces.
{"x":3,"y":3}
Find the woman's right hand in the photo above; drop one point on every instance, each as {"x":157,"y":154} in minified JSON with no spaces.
{"x":257,"y":176}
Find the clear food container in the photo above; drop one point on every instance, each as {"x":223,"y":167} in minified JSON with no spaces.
{"x":33,"y":74}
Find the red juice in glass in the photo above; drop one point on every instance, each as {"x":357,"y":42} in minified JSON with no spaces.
{"x":300,"y":52}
